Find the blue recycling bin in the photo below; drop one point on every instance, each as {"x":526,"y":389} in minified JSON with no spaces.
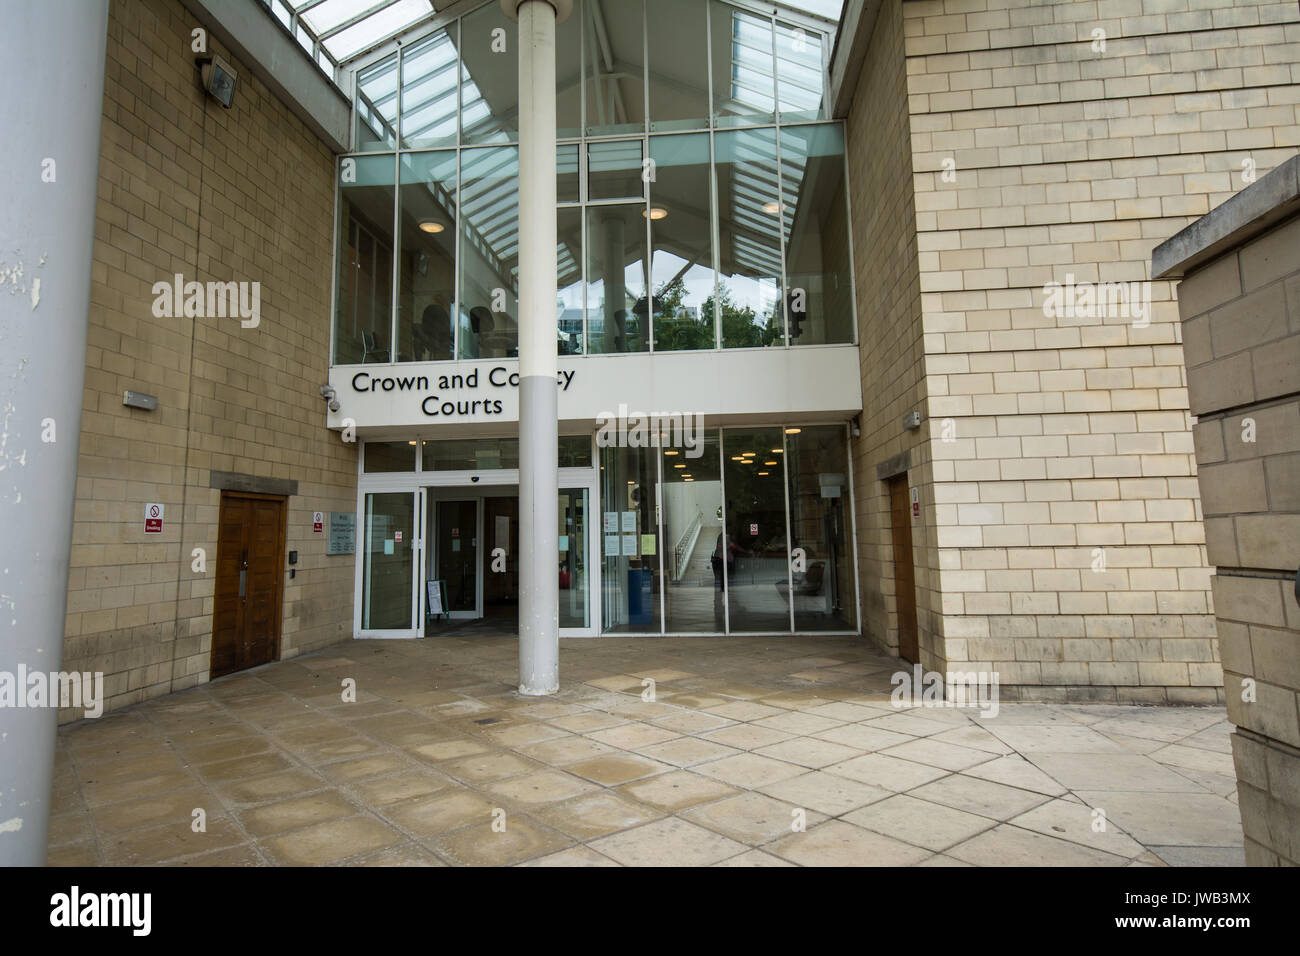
{"x":640,"y":598}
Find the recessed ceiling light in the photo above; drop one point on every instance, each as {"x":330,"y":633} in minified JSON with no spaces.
{"x":764,"y":472}
{"x":776,"y":451}
{"x":679,"y":466}
{"x":672,"y":453}
{"x":793,"y":431}
{"x":431,"y":226}
{"x":769,"y":463}
{"x":747,"y":454}
{"x":736,"y":458}
{"x":771,"y":208}
{"x":689,"y":478}
{"x":654,"y":212}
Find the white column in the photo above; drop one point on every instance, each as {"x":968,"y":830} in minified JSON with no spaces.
{"x":539,"y":610}
{"x":53,"y":56}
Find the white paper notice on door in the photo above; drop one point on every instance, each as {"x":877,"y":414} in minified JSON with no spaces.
{"x":611,"y":546}
{"x":611,"y":522}
{"x":629,"y":546}
{"x":564,"y":542}
{"x":629,"y":522}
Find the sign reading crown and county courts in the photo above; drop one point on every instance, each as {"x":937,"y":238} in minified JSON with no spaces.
{"x":825,"y":380}
{"x":153,"y":518}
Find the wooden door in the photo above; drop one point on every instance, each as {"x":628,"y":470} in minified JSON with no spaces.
{"x":904,"y":576}
{"x":250,"y":582}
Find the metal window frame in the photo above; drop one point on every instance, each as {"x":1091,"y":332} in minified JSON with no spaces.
{"x":449,"y":20}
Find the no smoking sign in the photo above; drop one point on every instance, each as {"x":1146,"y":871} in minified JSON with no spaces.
{"x":153,"y":518}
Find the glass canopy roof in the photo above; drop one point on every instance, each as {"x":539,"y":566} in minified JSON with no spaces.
{"x":332,"y":32}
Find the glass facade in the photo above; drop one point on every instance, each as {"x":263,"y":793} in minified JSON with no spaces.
{"x":746,"y":530}
{"x":702,"y":205}
{"x":702,"y":194}
{"x":751,"y":543}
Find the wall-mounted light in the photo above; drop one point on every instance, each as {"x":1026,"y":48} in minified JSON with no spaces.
{"x":140,"y":400}
{"x":218,"y":79}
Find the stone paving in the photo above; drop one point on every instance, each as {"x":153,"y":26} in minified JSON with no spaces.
{"x":745,"y":737}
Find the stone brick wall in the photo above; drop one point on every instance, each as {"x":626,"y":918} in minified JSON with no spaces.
{"x":226,"y":195}
{"x":1071,"y":549}
{"x":889,"y":330}
{"x":1241,"y":325}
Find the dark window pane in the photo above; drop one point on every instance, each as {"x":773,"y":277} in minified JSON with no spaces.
{"x":566,"y":173}
{"x":617,"y":310}
{"x":427,"y":257}
{"x":820,"y":526}
{"x":613,"y":36}
{"x":375,"y":111}
{"x":678,"y":74}
{"x":749,"y":284}
{"x":692,"y":503}
{"x":568,"y":75}
{"x":489,"y":252}
{"x":616,"y":170}
{"x":816,"y":227}
{"x":681,"y":257}
{"x":575,"y":451}
{"x":364,"y":298}
{"x":629,"y":541}
{"x":429,"y":92}
{"x":569,"y":286}
{"x":744,"y":88}
{"x":470,"y":454}
{"x":389,"y":456}
{"x":800,"y":83}
{"x":389,"y":561}
{"x":489,"y":78}
{"x":758,"y":575}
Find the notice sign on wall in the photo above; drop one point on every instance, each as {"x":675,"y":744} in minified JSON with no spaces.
{"x":916,"y":502}
{"x":317,"y":522}
{"x":153,"y":518}
{"x":343,"y":533}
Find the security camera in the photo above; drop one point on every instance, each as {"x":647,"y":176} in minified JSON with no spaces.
{"x":473,"y":478}
{"x":334,"y":405}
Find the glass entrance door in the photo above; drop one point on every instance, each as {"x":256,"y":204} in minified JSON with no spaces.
{"x":575,"y":580}
{"x":387,"y":570}
{"x":473,"y":549}
{"x":456,"y":541}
